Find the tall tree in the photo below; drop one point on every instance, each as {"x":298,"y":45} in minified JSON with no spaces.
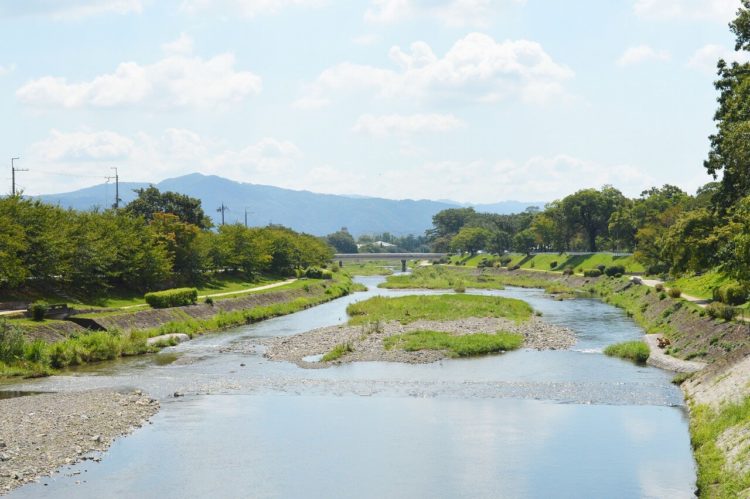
{"x":151,"y":201}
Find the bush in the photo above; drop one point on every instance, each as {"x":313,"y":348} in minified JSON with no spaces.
{"x":505,"y":260}
{"x":484,"y":263}
{"x":674,"y":292}
{"x":459,"y":287}
{"x":613,"y":270}
{"x":568,"y":271}
{"x":637,"y":351}
{"x":592,"y":273}
{"x":38,"y":310}
{"x":659,"y":287}
{"x":731,"y":294}
{"x":317,"y":273}
{"x":178,"y":297}
{"x":718,"y":310}
{"x":601,"y":268}
{"x":553,"y":265}
{"x":11,"y":342}
{"x":209,"y":301}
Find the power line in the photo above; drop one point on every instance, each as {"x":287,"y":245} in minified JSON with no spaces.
{"x":13,"y":171}
{"x":222,"y":210}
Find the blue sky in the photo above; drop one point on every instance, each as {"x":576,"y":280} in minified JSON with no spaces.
{"x":470,"y":100}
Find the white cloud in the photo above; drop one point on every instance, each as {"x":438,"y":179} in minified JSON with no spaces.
{"x":642,"y":53}
{"x":715,"y":10}
{"x":173,"y":82}
{"x":81,"y":155}
{"x":69,"y":9}
{"x":182,"y":45}
{"x":454,"y":13}
{"x":246,"y":8}
{"x":705,"y":58}
{"x":83,"y":146}
{"x":476,"y":68}
{"x":397,"y":124}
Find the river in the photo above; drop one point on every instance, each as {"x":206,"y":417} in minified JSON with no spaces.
{"x":524,"y":424}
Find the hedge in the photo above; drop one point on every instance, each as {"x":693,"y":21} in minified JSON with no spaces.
{"x":592,"y":273}
{"x":613,"y":270}
{"x":172,"y":297}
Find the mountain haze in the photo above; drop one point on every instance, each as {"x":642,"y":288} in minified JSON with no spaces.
{"x":305,"y":211}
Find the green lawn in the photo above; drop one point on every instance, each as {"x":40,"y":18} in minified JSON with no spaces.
{"x":700,"y":286}
{"x":544,"y":261}
{"x":458,"y":346}
{"x":407,"y":309}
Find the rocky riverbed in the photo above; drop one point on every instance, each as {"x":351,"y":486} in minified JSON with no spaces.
{"x":41,"y":433}
{"x":367,"y":340}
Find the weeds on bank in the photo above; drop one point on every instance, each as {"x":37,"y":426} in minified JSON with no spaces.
{"x":637,"y":351}
{"x":457,"y":346}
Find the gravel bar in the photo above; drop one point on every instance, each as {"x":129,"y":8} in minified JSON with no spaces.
{"x":41,"y":433}
{"x":367,"y":340}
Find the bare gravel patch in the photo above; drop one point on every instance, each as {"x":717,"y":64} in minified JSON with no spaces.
{"x":41,"y":433}
{"x":367,"y":340}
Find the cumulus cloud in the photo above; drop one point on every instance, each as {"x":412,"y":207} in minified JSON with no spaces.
{"x":640,"y":54}
{"x":173,"y":82}
{"x":705,"y":58}
{"x":246,"y":8}
{"x":69,"y":9}
{"x":399,"y":124}
{"x":454,"y":13}
{"x":83,"y":154}
{"x":716,"y":10}
{"x":476,"y":68}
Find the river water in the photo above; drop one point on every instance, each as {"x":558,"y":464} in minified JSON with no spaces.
{"x":524,"y":424}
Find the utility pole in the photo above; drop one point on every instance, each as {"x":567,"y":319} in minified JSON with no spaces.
{"x":246,"y":214}
{"x":116,"y":206}
{"x":222,"y":210}
{"x":13,"y":171}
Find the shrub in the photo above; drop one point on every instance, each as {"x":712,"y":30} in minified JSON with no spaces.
{"x":459,"y":287}
{"x":592,"y":273}
{"x":674,"y":292}
{"x":484,"y":263}
{"x":731,"y":294}
{"x":317,"y":273}
{"x":38,"y":310}
{"x":553,"y":265}
{"x":178,"y":297}
{"x":568,"y":271}
{"x":662,"y":295}
{"x":659,"y":287}
{"x":637,"y":351}
{"x":613,"y":270}
{"x":11,"y":342}
{"x":601,"y":268}
{"x":718,"y":310}
{"x":505,"y":260}
{"x":532,"y":264}
{"x":209,"y":301}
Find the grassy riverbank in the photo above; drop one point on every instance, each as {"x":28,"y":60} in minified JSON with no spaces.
{"x":19,"y":357}
{"x":545,"y":261}
{"x":457,"y":346}
{"x":637,"y":351}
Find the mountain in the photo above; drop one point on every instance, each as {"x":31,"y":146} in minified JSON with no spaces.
{"x":305,"y":211}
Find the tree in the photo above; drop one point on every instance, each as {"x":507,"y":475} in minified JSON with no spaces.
{"x":693,"y":243}
{"x":525,"y":241}
{"x":470,"y":239}
{"x":184,"y":245}
{"x":591,"y":210}
{"x":150,"y":202}
{"x":342,"y":241}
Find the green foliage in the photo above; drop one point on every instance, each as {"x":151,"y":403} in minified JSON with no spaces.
{"x":337,"y":352}
{"x":150,"y":201}
{"x":408,"y":309}
{"x":458,"y":346}
{"x":637,"y":351}
{"x":342,"y":241}
{"x":178,"y":297}
{"x":38,"y":310}
{"x":674,"y":292}
{"x":614,"y":270}
{"x":470,"y":240}
{"x":11,"y":342}
{"x":731,"y":294}
{"x":443,"y":278}
{"x":459,"y":287}
{"x":318,"y":273}
{"x":718,"y":310}
{"x":592,"y":272}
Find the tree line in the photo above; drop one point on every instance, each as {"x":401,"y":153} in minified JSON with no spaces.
{"x":157,"y":241}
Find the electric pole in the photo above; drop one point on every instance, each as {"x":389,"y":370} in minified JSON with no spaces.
{"x":246,"y":214}
{"x":13,"y":171}
{"x":116,"y":206}
{"x":222,"y":210}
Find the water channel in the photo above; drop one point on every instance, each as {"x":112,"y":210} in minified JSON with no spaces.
{"x":524,"y":424}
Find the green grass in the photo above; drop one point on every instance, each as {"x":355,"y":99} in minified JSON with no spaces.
{"x":337,"y":352}
{"x":637,"y":351}
{"x":715,"y":479}
{"x":543,"y":261}
{"x":700,"y":286}
{"x":440,"y":277}
{"x":374,"y":267}
{"x":457,"y":346}
{"x":407,"y":309}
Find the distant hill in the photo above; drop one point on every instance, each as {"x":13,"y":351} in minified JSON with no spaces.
{"x":305,"y":211}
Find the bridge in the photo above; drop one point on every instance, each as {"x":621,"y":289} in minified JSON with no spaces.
{"x":403,"y":257}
